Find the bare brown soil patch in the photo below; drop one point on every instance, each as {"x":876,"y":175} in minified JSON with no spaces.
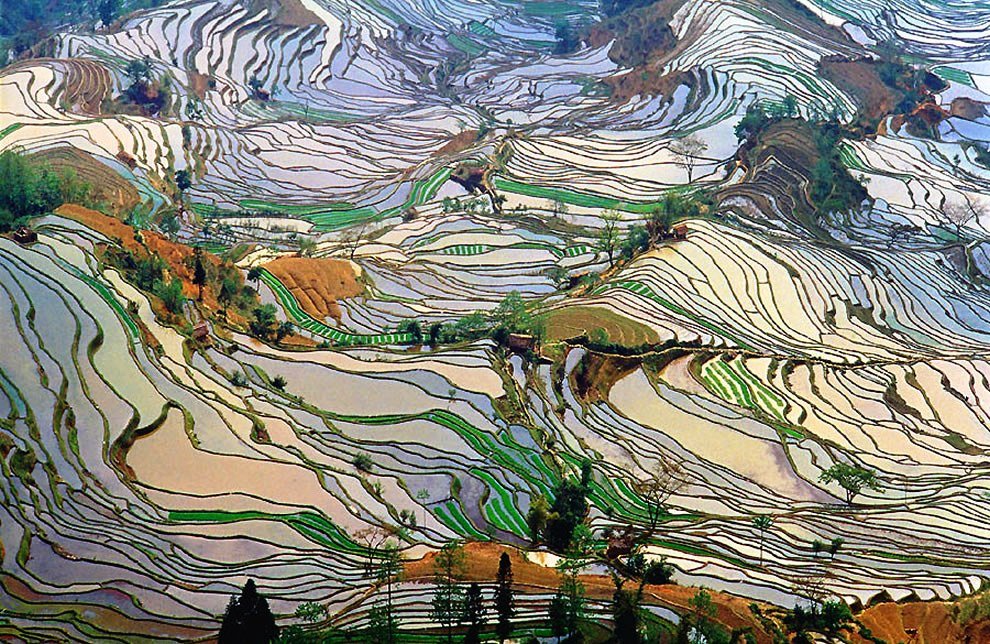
{"x":967,"y":108}
{"x":178,"y":258}
{"x":577,"y":321}
{"x":107,"y":186}
{"x":317,"y":283}
{"x":529,"y":577}
{"x":920,"y":623}
{"x":459,"y":143}
{"x":292,"y":13}
{"x":859,"y":78}
{"x":596,"y":374}
{"x":200,"y":83}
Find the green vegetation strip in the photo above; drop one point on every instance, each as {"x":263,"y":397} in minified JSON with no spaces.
{"x":311,"y":324}
{"x":13,"y":127}
{"x":342,"y":215}
{"x":645,"y":291}
{"x":313,"y":526}
{"x":573,"y":198}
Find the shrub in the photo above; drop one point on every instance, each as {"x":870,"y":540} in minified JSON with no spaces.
{"x":363,"y":463}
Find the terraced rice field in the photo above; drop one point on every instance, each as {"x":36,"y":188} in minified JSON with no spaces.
{"x":147,"y":476}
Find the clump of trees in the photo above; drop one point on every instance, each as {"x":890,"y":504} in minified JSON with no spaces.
{"x":832,"y":188}
{"x":145,"y":91}
{"x":554,"y":524}
{"x":30,"y":189}
{"x":248,"y":619}
{"x":265,"y":325}
{"x":511,"y":316}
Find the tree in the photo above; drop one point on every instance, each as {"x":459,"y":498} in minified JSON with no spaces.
{"x":27,"y":189}
{"x":311,"y":612}
{"x":383,"y":568}
{"x":248,"y":620}
{"x":423,"y":496}
{"x":567,"y":605}
{"x":307,"y":246}
{"x":254,"y":274}
{"x":559,"y":275}
{"x":686,"y":150}
{"x":352,"y":238}
{"x":851,"y":478}
{"x":228,"y":291}
{"x":762,"y":523}
{"x":625,"y":613}
{"x":183,"y":181}
{"x":567,"y":38}
{"x":284,"y":330}
{"x":504,"y":604}
{"x":608,"y":234}
{"x":436,"y":334}
{"x":536,"y":518}
{"x":263,"y":324}
{"x":108,"y":10}
{"x":255,"y":84}
{"x":170,"y":294}
{"x":789,"y":106}
{"x":448,"y":597}
{"x":668,"y":478}
{"x":961,"y":214}
{"x":279,"y":383}
{"x":139,"y":70}
{"x":567,"y":511}
{"x":474,"y":614}
{"x":413,"y":328}
{"x":199,"y":272}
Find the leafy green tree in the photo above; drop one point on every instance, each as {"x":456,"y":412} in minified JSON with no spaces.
{"x":536,"y":518}
{"x":504,"y":601}
{"x":851,"y":478}
{"x":108,"y":10}
{"x":436,"y":334}
{"x":311,"y":612}
{"x":448,"y":596}
{"x":567,"y":607}
{"x":248,"y":619}
{"x":384,"y":568}
{"x":567,"y":511}
{"x":763,"y":523}
{"x":263,"y":324}
{"x":284,"y":330}
{"x":183,"y":180}
{"x":171,"y":295}
{"x":27,"y":189}
{"x":608,"y":235}
{"x":139,"y":70}
{"x":307,"y":246}
{"x":254,"y":274}
{"x":413,"y":328}
{"x":228,"y":292}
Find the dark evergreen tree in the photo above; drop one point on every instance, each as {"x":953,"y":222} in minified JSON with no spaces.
{"x":625,"y":616}
{"x":248,"y":619}
{"x":503,"y":598}
{"x":199,"y":273}
{"x":474,"y":614}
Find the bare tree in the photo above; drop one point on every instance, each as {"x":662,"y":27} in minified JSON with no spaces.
{"x":958,"y":215}
{"x":687,"y":150}
{"x":608,"y":236}
{"x":667,"y":479}
{"x":352,"y":239}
